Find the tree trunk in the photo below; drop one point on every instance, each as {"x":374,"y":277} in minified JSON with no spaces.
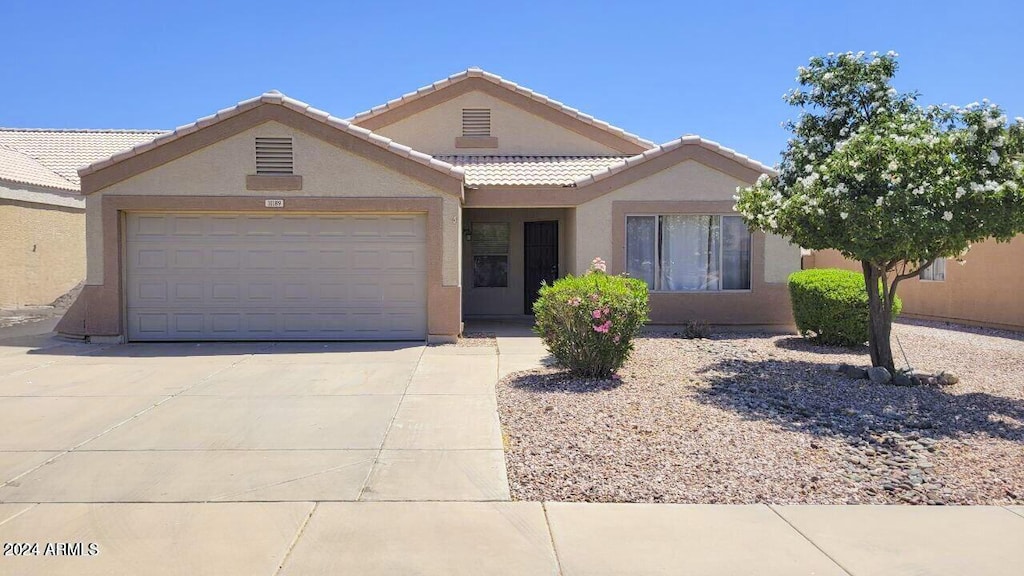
{"x":880,"y":314}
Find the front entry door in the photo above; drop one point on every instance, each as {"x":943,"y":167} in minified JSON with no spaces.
{"x":540,"y":258}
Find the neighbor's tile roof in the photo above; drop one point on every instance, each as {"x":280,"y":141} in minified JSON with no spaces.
{"x":499,"y":81}
{"x":528,"y":170}
{"x":16,"y":166}
{"x":624,"y":164}
{"x":275,"y":97}
{"x":65,"y":151}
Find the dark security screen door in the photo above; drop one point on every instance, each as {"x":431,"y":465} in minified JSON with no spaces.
{"x":540,"y":258}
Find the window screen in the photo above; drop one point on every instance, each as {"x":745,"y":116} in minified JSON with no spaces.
{"x":490,"y":254}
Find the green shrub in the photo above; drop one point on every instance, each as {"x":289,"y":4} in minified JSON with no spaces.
{"x":588,"y":322}
{"x":830,"y":306}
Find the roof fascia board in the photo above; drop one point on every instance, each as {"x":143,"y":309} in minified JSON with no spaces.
{"x":648,"y":167}
{"x":403,"y":110}
{"x":213,"y":132}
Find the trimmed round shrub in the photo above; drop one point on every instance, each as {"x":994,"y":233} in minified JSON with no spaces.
{"x":588,"y":322}
{"x":830,"y":306}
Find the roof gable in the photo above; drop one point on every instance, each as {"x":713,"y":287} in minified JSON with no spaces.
{"x":277,"y":107}
{"x":695,"y":148}
{"x":475,"y":79}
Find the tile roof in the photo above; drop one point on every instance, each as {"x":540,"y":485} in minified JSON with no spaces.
{"x":65,"y":151}
{"x":691,"y":140}
{"x":16,"y":166}
{"x":275,"y":97}
{"x":498,"y":80}
{"x":528,"y":170}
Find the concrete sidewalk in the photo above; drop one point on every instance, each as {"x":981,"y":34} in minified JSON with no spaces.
{"x":512,"y":538}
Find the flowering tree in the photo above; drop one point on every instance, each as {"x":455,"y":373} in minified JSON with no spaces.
{"x":872,"y":174}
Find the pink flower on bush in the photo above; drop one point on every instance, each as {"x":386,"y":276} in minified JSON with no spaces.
{"x":607,"y":310}
{"x":603,"y":328}
{"x":595,"y":297}
{"x":597,"y":314}
{"x":574,"y":301}
{"x":616,"y":339}
{"x":598,"y":265}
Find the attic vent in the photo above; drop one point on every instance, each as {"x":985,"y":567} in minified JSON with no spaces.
{"x":274,"y":156}
{"x":476,"y":122}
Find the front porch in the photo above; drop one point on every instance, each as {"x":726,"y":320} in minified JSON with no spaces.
{"x":507,"y":253}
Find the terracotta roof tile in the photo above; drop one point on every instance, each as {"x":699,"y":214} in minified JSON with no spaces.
{"x":527,"y":170}
{"x":16,"y":166}
{"x":498,"y":80}
{"x":626,"y":163}
{"x":277,"y":98}
{"x":65,"y":151}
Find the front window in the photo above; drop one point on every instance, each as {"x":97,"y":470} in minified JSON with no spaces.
{"x":936,"y":272}
{"x":490,"y":254}
{"x":688,"y":252}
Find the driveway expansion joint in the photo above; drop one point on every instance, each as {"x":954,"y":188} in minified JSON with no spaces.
{"x":384,"y":437}
{"x":295,"y":540}
{"x":135,"y":416}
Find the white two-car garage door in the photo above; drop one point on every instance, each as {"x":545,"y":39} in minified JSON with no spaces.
{"x":276,"y":277}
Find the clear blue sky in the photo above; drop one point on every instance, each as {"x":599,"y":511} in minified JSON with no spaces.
{"x":660,"y":70}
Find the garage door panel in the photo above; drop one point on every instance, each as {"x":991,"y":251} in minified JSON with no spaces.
{"x":188,"y":292}
{"x":404,"y":227}
{"x":187,"y":225}
{"x":243,"y":276}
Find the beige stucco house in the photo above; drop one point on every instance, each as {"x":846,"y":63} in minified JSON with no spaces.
{"x":984,"y":290}
{"x":42,"y":214}
{"x":274,"y":220}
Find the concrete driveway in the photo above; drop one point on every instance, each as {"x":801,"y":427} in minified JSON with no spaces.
{"x":231,"y":422}
{"x":242,"y":459}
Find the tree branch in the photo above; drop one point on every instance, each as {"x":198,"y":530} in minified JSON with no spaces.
{"x":917,"y":271}
{"x":901,"y":277}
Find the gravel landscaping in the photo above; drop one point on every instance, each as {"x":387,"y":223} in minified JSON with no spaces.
{"x":751,"y":418}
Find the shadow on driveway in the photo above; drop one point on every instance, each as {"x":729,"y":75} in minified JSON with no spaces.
{"x":54,"y":346}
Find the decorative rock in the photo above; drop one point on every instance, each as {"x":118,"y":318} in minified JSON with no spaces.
{"x":853,"y":371}
{"x":901,"y":379}
{"x":947,"y":378}
{"x":879,"y":375}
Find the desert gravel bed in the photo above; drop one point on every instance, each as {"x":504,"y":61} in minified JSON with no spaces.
{"x":748,"y":418}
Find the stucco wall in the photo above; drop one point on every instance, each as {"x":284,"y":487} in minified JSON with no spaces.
{"x":508,"y":300}
{"x":986,"y":290}
{"x":689,"y":180}
{"x":691,"y":186}
{"x":780,"y":259}
{"x":518,"y":132}
{"x":42,"y":254}
{"x":326,"y":170}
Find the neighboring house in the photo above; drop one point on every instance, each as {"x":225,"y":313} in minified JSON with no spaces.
{"x":275,"y":220}
{"x":985,"y":290}
{"x":42,"y":215}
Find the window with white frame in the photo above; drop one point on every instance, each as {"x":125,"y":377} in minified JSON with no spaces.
{"x":688,"y":252}
{"x":935,"y":272}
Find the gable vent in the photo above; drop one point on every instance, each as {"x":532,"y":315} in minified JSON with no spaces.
{"x":274,"y":156}
{"x":476,"y":121}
